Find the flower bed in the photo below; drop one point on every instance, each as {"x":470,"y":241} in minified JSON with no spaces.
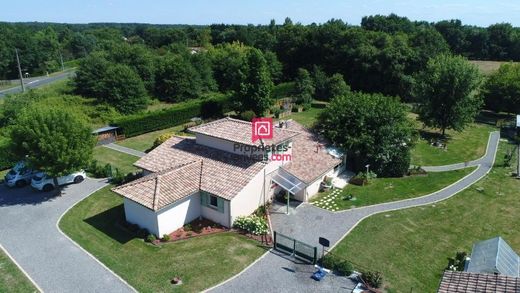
{"x":194,"y":229}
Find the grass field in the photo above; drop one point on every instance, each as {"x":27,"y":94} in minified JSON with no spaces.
{"x":411,"y":247}
{"x":200,"y":262}
{"x":118,"y":160}
{"x":145,"y":141}
{"x":307,"y":118}
{"x":11,"y":278}
{"x":487,"y":67}
{"x":389,"y":189}
{"x":464,"y":146}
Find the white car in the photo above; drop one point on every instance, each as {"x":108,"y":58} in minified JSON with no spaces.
{"x":19,"y":175}
{"x":41,"y":181}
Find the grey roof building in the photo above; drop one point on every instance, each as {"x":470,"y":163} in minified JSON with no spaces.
{"x":494,"y":256}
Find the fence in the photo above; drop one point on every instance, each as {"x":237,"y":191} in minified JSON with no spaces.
{"x":296,"y":248}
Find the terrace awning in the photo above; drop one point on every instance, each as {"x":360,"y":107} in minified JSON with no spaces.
{"x":288,"y":182}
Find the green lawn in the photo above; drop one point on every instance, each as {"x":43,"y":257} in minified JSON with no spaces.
{"x":307,"y":118}
{"x":411,"y":247}
{"x":117,"y":159}
{"x":389,"y":189}
{"x":201,"y":262}
{"x":464,"y":146}
{"x":145,"y":141}
{"x":11,"y":278}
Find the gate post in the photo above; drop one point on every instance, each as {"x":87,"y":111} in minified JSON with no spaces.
{"x":315,"y":255}
{"x":294,"y":247}
{"x":274,"y":232}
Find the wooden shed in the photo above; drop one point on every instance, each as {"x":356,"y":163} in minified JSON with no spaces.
{"x":106,"y":135}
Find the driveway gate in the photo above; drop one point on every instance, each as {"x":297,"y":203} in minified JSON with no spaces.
{"x":296,"y":248}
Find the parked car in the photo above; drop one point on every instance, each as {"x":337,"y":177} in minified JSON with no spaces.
{"x":19,"y":175}
{"x":41,"y":181}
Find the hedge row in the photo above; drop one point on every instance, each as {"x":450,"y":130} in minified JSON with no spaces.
{"x":137,"y":124}
{"x":5,"y":161}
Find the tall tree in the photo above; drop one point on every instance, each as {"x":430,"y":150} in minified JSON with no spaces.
{"x":447,"y":93}
{"x":373,"y":129}
{"x":51,"y":140}
{"x":502,"y":89}
{"x":176,"y":79}
{"x":336,"y":86}
{"x":255,"y":88}
{"x":304,"y":87}
{"x":124,"y":89}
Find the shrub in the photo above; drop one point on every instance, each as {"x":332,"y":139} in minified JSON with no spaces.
{"x":344,"y":268}
{"x":341,"y":266}
{"x":166,"y":238}
{"x":142,"y":233}
{"x":133,"y":227}
{"x":162,"y":138}
{"x":99,"y":171}
{"x":188,"y":227}
{"x":151,"y":238}
{"x":372,"y":278}
{"x":212,"y":108}
{"x":458,"y":262}
{"x":252,"y":224}
{"x":247,"y":115}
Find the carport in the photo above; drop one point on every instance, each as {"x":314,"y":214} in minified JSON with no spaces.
{"x":289,"y":183}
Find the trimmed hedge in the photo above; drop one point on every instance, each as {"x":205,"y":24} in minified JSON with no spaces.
{"x":137,"y":124}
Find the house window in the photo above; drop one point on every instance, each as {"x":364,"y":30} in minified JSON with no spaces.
{"x":213,"y":201}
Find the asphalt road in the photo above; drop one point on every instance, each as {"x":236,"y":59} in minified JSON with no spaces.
{"x":37,"y":82}
{"x":29,"y":233}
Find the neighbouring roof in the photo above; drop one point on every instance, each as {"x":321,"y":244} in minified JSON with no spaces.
{"x":310,"y":159}
{"x":459,"y":282}
{"x":494,"y":256}
{"x":223,"y":174}
{"x":240,"y":131}
{"x":105,"y":129}
{"x":160,"y":189}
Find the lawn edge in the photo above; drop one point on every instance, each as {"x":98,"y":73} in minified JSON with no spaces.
{"x":21,"y":269}
{"x":414,"y":206}
{"x":83,"y":249}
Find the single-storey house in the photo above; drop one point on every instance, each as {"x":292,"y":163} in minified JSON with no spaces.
{"x":222,"y":174}
{"x":493,"y":256}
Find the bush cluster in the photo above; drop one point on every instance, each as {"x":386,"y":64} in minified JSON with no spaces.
{"x":340,"y":266}
{"x":137,"y":124}
{"x":119,"y":178}
{"x":252,"y":224}
{"x":373,"y":278}
{"x":99,"y":171}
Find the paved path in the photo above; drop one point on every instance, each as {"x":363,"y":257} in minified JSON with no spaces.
{"x":125,"y":150}
{"x":36,"y":82}
{"x":28,"y":231}
{"x":307,"y":222}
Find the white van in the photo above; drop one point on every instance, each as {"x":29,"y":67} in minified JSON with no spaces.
{"x":41,"y":181}
{"x":19,"y":175}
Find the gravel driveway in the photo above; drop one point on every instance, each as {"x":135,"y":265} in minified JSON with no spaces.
{"x":28,"y":231}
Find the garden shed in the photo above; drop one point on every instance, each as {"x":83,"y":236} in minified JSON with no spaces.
{"x":494,"y":256}
{"x":106,"y":135}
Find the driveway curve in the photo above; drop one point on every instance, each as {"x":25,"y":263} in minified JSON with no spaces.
{"x":29,"y":232}
{"x":307,"y":222}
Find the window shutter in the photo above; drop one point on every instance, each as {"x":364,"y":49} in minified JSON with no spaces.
{"x":203,"y":199}
{"x":220,"y":204}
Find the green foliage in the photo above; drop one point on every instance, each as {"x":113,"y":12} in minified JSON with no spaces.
{"x":458,"y":262}
{"x":137,"y":57}
{"x":124,"y":89}
{"x":176,"y":79}
{"x":373,"y":278}
{"x":188,"y":227}
{"x":374,"y":129}
{"x":166,"y":238}
{"x":255,"y":86}
{"x":337,"y":264}
{"x":51,"y":140}
{"x":137,"y":124}
{"x":502,"y":89}
{"x":336,"y":86}
{"x":447,"y":93}
{"x":151,"y":238}
{"x":98,"y":171}
{"x":304,"y":87}
{"x":229,"y":65}
{"x":274,"y":65}
{"x":252,"y":224}
{"x":247,"y":115}
{"x":162,"y":138}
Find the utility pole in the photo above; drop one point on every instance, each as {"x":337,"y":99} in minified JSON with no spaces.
{"x":61,"y":60}
{"x":19,"y":70}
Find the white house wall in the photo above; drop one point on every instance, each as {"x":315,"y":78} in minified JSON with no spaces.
{"x":250,"y":197}
{"x":176,"y":215}
{"x":216,"y":216}
{"x":138,"y":214}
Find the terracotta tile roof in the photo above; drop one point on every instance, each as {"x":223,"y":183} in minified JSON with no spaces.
{"x":160,"y":189}
{"x":464,"y":282}
{"x":308,"y":162}
{"x":239,"y":131}
{"x":223,"y":174}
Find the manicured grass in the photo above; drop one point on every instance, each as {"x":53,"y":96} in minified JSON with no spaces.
{"x":388,"y":189}
{"x":145,"y":141}
{"x":306,"y":118}
{"x":11,"y":278}
{"x":487,"y":67}
{"x":411,"y":247}
{"x":464,"y":146}
{"x":118,"y":160}
{"x":201,"y":262}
